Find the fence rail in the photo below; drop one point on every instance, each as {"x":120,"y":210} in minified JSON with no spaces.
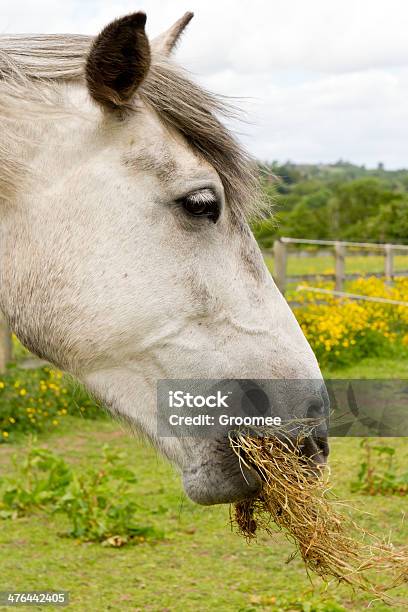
{"x":298,"y":278}
{"x":353,"y":296}
{"x":363,"y":245}
{"x":280,"y":254}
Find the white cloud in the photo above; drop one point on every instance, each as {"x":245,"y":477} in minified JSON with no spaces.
{"x":327,"y":79}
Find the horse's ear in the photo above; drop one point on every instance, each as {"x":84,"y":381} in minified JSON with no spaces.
{"x":166,"y":42}
{"x":118,"y":61}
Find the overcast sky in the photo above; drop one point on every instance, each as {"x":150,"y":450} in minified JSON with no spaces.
{"x":322,"y":79}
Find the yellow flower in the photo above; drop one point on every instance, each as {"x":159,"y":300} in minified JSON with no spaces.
{"x":2,"y":385}
{"x":55,"y":422}
{"x":23,"y":392}
{"x":12,"y":420}
{"x":337,"y":327}
{"x":5,"y":434}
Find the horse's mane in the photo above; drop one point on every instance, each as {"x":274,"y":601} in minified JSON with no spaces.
{"x":28,"y":63}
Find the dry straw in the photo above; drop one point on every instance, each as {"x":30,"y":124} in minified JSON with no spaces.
{"x":300,"y":503}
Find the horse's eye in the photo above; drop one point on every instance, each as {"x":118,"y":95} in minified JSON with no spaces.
{"x":202,"y":203}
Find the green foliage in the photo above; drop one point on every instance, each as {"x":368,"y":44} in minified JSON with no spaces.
{"x":98,"y":506}
{"x":377,"y":473}
{"x":391,"y":221}
{"x":40,"y":479}
{"x":38,"y":399}
{"x":97,"y":502}
{"x":305,"y":220}
{"x":338,"y":201}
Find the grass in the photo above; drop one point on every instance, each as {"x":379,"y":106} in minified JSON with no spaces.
{"x":372,"y":367}
{"x":200,"y":564}
{"x":355,"y":264}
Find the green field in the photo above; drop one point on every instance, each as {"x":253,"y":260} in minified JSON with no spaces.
{"x":373,"y":367}
{"x":355,"y":264}
{"x":200,"y":564}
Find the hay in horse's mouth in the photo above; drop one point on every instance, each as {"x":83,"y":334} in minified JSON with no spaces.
{"x":302,"y":505}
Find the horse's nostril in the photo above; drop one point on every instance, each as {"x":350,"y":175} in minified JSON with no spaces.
{"x":317,"y":443}
{"x":309,"y":447}
{"x":316,"y":410}
{"x":315,"y":447}
{"x":322,"y":444}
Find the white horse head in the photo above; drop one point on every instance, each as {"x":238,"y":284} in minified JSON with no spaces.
{"x":125,"y":253}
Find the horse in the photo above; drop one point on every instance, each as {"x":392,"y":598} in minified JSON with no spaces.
{"x":126,"y":255}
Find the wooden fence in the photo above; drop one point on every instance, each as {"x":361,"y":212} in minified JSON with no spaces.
{"x":280,"y":255}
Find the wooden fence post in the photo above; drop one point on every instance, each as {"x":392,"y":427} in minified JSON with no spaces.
{"x":388,"y":263}
{"x":5,"y":344}
{"x":340,"y":253}
{"x":279,"y":264}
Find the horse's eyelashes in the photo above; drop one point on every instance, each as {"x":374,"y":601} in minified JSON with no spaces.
{"x":203,"y":203}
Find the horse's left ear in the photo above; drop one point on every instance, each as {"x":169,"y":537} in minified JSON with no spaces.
{"x":166,"y":42}
{"x":118,"y":61}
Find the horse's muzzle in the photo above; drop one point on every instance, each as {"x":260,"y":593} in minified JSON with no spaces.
{"x":217,"y":476}
{"x":222,"y":479}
